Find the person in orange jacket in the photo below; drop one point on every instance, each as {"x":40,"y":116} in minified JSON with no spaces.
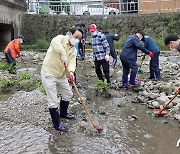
{"x":12,"y":50}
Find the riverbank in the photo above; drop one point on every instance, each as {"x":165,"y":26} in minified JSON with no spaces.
{"x":125,"y":115}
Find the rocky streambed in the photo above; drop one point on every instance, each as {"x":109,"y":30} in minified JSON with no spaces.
{"x":25,"y":125}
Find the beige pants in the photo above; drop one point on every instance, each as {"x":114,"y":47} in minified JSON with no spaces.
{"x":51,"y":85}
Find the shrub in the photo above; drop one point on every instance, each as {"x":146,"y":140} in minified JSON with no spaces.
{"x":5,"y":82}
{"x":101,"y":86}
{"x":25,"y":75}
{"x":42,"y":44}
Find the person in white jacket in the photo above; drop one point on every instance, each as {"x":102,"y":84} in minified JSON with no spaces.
{"x":53,"y":74}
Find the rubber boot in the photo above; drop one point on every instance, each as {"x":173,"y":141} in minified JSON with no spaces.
{"x":151,"y":73}
{"x":133,"y":81}
{"x":63,"y":110}
{"x":157,"y":73}
{"x":125,"y":82}
{"x":56,"y":120}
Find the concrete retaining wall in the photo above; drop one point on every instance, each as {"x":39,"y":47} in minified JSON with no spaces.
{"x":39,"y":26}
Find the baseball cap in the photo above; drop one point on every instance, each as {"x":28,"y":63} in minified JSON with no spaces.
{"x":92,"y":28}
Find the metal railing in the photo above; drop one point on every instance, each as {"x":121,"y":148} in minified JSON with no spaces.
{"x":65,"y":7}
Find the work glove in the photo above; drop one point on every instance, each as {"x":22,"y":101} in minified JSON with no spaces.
{"x":64,"y":59}
{"x":143,"y":57}
{"x":151,"y":54}
{"x":107,"y":57}
{"x":71,"y":77}
{"x":179,"y":90}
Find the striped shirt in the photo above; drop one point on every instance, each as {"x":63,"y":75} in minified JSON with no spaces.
{"x":100,"y":46}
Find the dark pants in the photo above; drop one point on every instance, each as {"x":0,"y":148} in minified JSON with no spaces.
{"x":127,"y":65}
{"x":81,"y":50}
{"x":9,"y":58}
{"x":105,"y":66}
{"x":114,"y":55}
{"x":154,"y":66}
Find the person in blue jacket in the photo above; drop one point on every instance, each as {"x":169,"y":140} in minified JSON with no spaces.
{"x":110,"y":38}
{"x":128,"y":57}
{"x":150,"y":44}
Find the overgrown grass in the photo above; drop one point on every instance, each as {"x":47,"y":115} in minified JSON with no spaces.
{"x":40,"y":44}
{"x":9,"y":67}
{"x":25,"y":75}
{"x":5,"y":82}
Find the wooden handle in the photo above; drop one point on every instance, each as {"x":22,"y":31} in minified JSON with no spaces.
{"x":85,"y":107}
{"x":169,"y":101}
{"x":24,"y":63}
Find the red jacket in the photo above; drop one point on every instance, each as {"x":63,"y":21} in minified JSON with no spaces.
{"x":14,"y":48}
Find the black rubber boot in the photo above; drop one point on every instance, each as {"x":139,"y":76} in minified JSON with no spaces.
{"x":56,"y":120}
{"x":63,"y":110}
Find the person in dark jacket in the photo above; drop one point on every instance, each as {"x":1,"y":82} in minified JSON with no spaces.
{"x":150,"y":44}
{"x":128,"y":57}
{"x":110,"y":38}
{"x":81,"y":45}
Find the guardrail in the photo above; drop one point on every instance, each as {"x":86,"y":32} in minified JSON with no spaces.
{"x":103,"y":8}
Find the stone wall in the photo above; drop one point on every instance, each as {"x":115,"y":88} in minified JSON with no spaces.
{"x":10,"y":20}
{"x":35,"y":27}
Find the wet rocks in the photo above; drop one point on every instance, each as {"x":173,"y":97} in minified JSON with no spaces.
{"x":152,"y":96}
{"x":156,"y":104}
{"x":162,"y":99}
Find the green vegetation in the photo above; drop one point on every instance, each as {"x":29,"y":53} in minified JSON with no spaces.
{"x":161,"y":45}
{"x":41,"y":44}
{"x":9,"y":67}
{"x":25,"y":75}
{"x":101,"y":86}
{"x":23,"y":81}
{"x":42,"y":89}
{"x":5,"y":82}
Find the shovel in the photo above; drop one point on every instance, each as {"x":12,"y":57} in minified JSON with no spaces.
{"x":99,"y":130}
{"x":162,"y":112}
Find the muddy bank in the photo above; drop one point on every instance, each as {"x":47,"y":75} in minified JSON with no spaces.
{"x":125,"y":116}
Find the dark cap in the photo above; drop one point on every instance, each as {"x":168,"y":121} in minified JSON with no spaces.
{"x":22,"y":37}
{"x":143,"y":34}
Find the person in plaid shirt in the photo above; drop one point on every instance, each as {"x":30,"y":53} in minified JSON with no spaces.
{"x":101,"y":51}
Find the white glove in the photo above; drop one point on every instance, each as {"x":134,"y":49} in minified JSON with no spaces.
{"x":115,"y":34}
{"x":64,"y":59}
{"x":107,"y":57}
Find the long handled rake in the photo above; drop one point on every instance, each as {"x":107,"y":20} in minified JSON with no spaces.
{"x":162,"y":112}
{"x":84,"y":105}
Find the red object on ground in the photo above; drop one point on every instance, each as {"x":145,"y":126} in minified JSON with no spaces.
{"x":159,"y":112}
{"x":179,"y":90}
